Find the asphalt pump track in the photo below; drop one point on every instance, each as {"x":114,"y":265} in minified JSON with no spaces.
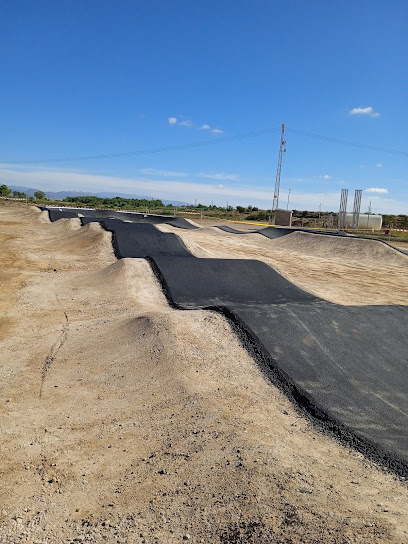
{"x":273,"y":233}
{"x":345,"y":367}
{"x":132,"y":217}
{"x":277,"y":232}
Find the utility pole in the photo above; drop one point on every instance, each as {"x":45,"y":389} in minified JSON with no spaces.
{"x":368,"y":214}
{"x":287,"y":207}
{"x":282,"y":150}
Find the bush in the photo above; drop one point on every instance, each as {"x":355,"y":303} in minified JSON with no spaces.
{"x":262,"y":215}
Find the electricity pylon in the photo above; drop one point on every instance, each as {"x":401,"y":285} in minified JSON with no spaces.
{"x":282,"y":150}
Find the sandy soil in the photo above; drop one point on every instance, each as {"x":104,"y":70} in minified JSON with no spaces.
{"x":123,"y":420}
{"x":347,"y":271}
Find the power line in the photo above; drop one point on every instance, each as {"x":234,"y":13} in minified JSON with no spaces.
{"x":219,"y":140}
{"x":347,"y":142}
{"x":191,"y":145}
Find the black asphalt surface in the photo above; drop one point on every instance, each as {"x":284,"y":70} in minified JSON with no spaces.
{"x":346,"y":367}
{"x":350,"y":362}
{"x":227,"y":282}
{"x":55,"y":214}
{"x":231,"y":230}
{"x":277,"y":232}
{"x":98,"y":215}
{"x":88,"y":215}
{"x":141,"y":240}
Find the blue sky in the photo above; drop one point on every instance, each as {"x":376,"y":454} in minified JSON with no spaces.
{"x":103,"y":77}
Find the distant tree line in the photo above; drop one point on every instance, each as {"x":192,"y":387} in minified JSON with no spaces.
{"x":248,"y":209}
{"x":397,"y":221}
{"x":7,"y":192}
{"x":116,"y":202}
{"x":19,"y":194}
{"x":251,"y":213}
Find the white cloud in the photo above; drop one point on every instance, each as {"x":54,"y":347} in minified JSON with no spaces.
{"x":57,"y":180}
{"x":188,"y":123}
{"x":369,"y":112}
{"x":325,"y":176}
{"x":219,"y":176}
{"x":377,"y":190}
{"x":295,"y":180}
{"x":379,"y":165}
{"x":184,"y":123}
{"x":173,"y":189}
{"x":164,"y":173}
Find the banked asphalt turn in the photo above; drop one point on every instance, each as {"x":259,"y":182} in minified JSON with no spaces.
{"x":345,"y":366}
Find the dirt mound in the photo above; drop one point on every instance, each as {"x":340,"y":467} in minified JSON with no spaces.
{"x":195,"y":248}
{"x":62,"y":225}
{"x":347,"y":247}
{"x":190,"y":244}
{"x":113,"y":275}
{"x":43,"y":217}
{"x":139,"y":345}
{"x":73,"y":238}
{"x":124,"y":275}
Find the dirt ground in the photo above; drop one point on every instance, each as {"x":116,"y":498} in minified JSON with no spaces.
{"x":125,"y":421}
{"x":248,"y":226}
{"x":349,"y":271}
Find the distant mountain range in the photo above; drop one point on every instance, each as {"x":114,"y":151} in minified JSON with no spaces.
{"x":61,"y":195}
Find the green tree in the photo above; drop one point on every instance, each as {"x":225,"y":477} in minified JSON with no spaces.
{"x":39,"y":195}
{"x":5,"y":191}
{"x":19,"y":194}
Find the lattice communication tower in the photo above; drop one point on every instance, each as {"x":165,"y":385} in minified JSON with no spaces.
{"x":282,"y":150}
